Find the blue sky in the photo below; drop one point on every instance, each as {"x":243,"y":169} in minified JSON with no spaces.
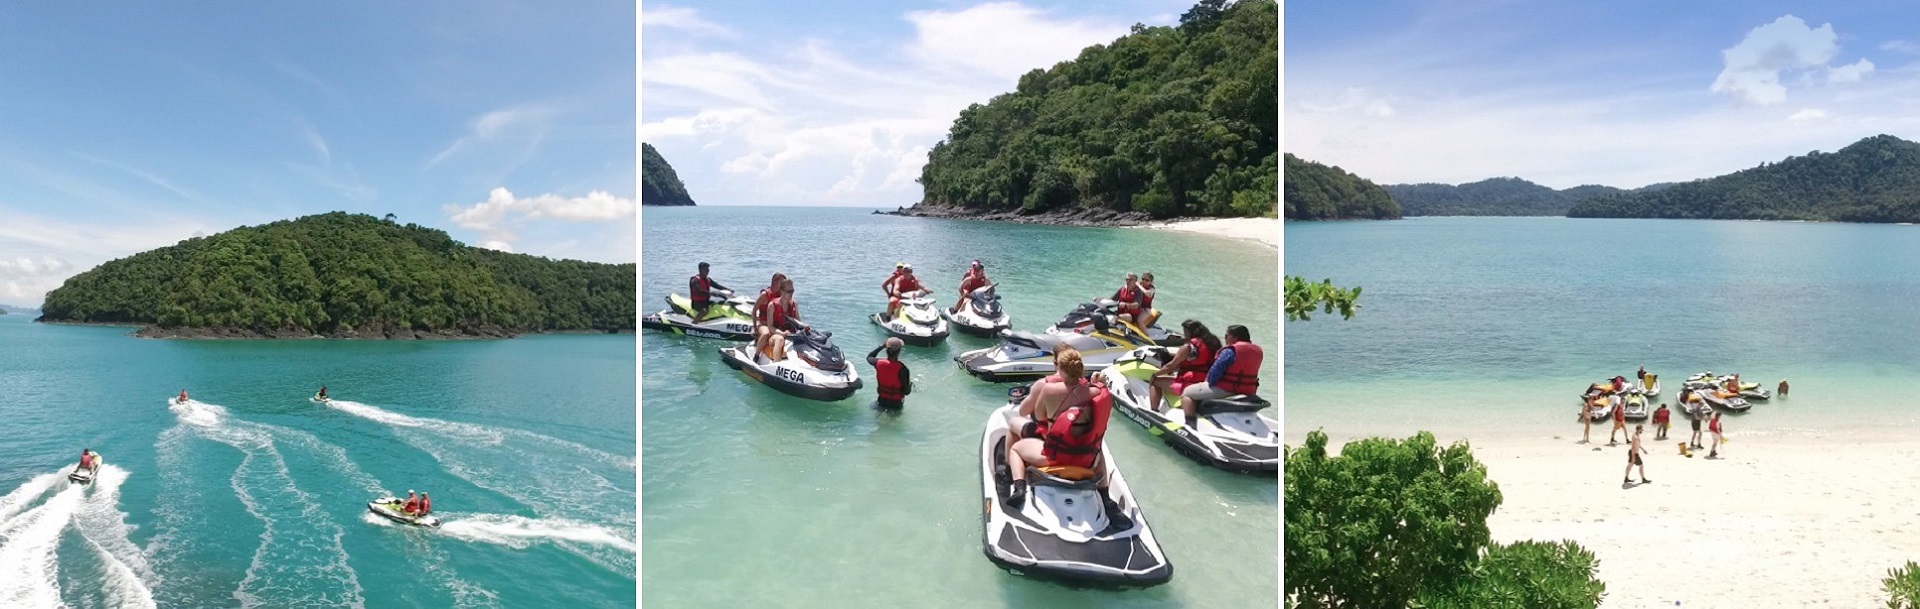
{"x":1568,"y":93}
{"x":757,"y":103}
{"x":135,"y":126}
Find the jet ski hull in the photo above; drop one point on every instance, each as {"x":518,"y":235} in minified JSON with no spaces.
{"x":1240,"y":442}
{"x":732,"y":321}
{"x":1063,"y":534}
{"x":793,"y":376}
{"x":389,"y":508}
{"x":970,"y":324}
{"x":86,"y":476}
{"x":911,"y":332}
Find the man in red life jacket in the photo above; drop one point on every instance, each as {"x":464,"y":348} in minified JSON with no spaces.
{"x":902,"y":285}
{"x":975,"y":278}
{"x":1128,"y":298}
{"x":183,"y":396}
{"x":1235,"y":371}
{"x":412,"y":504}
{"x":700,"y":292}
{"x":86,"y":459}
{"x":891,"y":375}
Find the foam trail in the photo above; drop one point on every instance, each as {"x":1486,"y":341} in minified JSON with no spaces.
{"x":18,"y":500}
{"x":103,"y":525}
{"x":520,"y":531}
{"x":472,"y":432}
{"x":27,"y":568}
{"x":266,"y":489}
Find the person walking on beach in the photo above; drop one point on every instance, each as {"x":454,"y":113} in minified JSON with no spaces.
{"x":1586,"y":421}
{"x":1718,"y":438}
{"x":1619,"y":422}
{"x":1694,"y":406}
{"x":1634,"y":450}
{"x":1660,"y":424}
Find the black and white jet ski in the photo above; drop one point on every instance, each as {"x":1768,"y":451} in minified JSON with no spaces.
{"x":1023,"y":356}
{"x":389,"y":508}
{"x":731,"y":319}
{"x":981,"y":315}
{"x":814,"y":367}
{"x":1636,"y":405}
{"x":1080,"y":321}
{"x":918,"y":322}
{"x":320,"y":399}
{"x":1062,"y":531}
{"x":86,"y":476}
{"x":1230,"y":433}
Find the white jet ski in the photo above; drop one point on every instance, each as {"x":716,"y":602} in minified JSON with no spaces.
{"x":814,"y":367}
{"x":1603,"y":411}
{"x":1636,"y":405}
{"x":981,"y":315}
{"x":1024,"y":356}
{"x":320,"y":399}
{"x":731,"y":319}
{"x":1062,"y":531}
{"x":1230,"y":433}
{"x":918,"y":322}
{"x":1649,"y":385}
{"x":86,"y":476}
{"x":389,"y":508}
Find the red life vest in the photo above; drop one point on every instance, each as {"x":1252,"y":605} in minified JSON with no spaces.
{"x":906,"y":283}
{"x":780,"y":317}
{"x":1199,"y":357}
{"x":1243,"y":376}
{"x":700,"y":289}
{"x":972,"y":282}
{"x":763,"y":305}
{"x":1146,"y":298}
{"x":86,"y":460}
{"x":887,"y":373}
{"x":1126,"y":296}
{"x":426,"y":505}
{"x":1073,"y":438}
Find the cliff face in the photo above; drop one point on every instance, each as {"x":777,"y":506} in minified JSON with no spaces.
{"x":659,"y":185}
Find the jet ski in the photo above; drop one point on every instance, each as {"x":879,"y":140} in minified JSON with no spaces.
{"x":86,"y":476}
{"x":1649,"y":385}
{"x":1636,"y":405}
{"x":1230,"y":433}
{"x":389,"y":508}
{"x":731,"y":319}
{"x":321,"y":399}
{"x":1081,"y":320}
{"x":981,"y":315}
{"x":1022,"y":356}
{"x":814,"y":367}
{"x":916,"y":323}
{"x":1602,"y":410}
{"x":1724,"y":400}
{"x":1062,"y":531}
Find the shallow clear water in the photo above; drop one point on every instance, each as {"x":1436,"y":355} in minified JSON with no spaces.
{"x":251,"y":495}
{"x":1493,"y":325}
{"x":751,"y":496}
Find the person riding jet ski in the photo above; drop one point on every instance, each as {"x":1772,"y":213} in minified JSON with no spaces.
{"x":1189,"y":366}
{"x":775,"y":317}
{"x":901,"y":285}
{"x":1059,"y":423}
{"x":975,"y":278}
{"x":1130,"y":301}
{"x":700,"y":290}
{"x":1236,"y":371}
{"x":183,"y":397}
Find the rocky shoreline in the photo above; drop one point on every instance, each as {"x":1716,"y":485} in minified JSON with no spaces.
{"x":1079,"y":216}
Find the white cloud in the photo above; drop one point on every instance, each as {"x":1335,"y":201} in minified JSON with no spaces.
{"x":1004,"y":39}
{"x":526,"y":123}
{"x":1809,"y":114}
{"x":497,"y":246}
{"x":1753,"y":67}
{"x":683,"y":19}
{"x":1850,"y":73}
{"x":38,"y":254}
{"x":501,"y":217}
{"x":1352,"y":100}
{"x":1901,"y":46}
{"x":803,"y":122}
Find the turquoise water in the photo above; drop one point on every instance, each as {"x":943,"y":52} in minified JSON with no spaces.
{"x":1490,"y":326}
{"x":753,"y":497}
{"x":251,"y":495}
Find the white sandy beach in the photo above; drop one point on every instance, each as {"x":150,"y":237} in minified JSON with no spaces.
{"x":1780,"y":520}
{"x":1264,"y":230}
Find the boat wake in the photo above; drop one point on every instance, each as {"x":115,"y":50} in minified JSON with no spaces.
{"x":608,"y":547}
{"x":297,"y":531}
{"x":29,"y":538}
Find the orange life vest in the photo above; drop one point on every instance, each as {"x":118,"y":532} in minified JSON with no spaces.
{"x":1073,"y":438}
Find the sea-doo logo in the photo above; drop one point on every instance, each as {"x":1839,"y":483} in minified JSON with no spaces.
{"x":791,"y":375}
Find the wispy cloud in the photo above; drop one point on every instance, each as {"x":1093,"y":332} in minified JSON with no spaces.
{"x":683,"y":19}
{"x":526,"y":124}
{"x":147,"y":176}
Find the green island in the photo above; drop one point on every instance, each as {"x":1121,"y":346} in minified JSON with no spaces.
{"x":659,"y":185}
{"x":1320,"y":192}
{"x":1178,"y":121}
{"x":1493,"y":197}
{"x":343,"y":275}
{"x":1876,"y":179}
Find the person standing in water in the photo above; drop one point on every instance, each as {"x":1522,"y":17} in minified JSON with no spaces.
{"x":1634,"y":450}
{"x":891,"y":376}
{"x":1783,"y":388}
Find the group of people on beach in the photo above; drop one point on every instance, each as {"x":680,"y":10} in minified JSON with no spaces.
{"x":1697,"y":410}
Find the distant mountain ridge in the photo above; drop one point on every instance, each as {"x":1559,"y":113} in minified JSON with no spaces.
{"x":1320,"y":192}
{"x":1876,"y":179}
{"x":659,"y":185}
{"x":1490,"y":197}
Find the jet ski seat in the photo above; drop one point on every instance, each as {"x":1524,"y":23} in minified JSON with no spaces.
{"x":1043,"y":342}
{"x":1063,"y":476}
{"x":1230,"y":404}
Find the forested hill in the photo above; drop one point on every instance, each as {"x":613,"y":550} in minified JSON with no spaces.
{"x":1169,"y":121}
{"x":1876,"y":179}
{"x":659,"y":185}
{"x":1319,"y":192}
{"x":345,"y":275}
{"x":1494,"y":197}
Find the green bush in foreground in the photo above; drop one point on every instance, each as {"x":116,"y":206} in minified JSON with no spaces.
{"x":1903,"y":587}
{"x":1398,"y":523}
{"x":1304,"y":296}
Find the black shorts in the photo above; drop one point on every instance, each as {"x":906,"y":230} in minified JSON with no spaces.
{"x":701,"y":305}
{"x":1633,"y":457}
{"x":1696,"y":424}
{"x":886,"y":404}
